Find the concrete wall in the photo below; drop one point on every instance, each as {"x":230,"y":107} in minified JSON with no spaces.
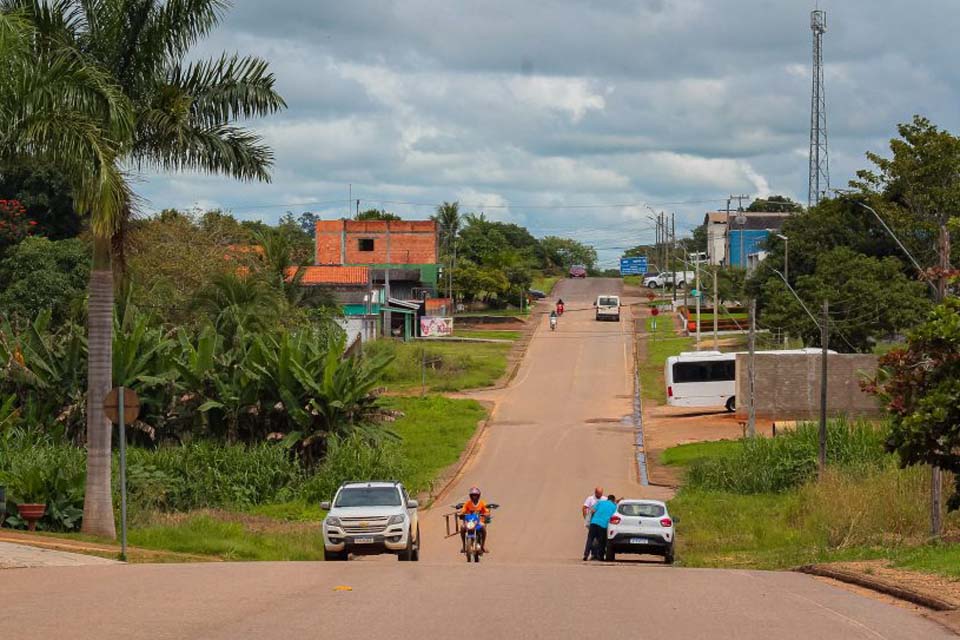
{"x":788,"y":385}
{"x":411,"y":242}
{"x":364,"y":326}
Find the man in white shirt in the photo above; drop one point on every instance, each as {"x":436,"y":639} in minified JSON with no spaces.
{"x":588,"y":504}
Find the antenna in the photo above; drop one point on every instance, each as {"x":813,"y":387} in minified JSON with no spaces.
{"x":819,"y":160}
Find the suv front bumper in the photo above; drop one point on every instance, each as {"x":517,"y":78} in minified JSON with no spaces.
{"x":390,"y":541}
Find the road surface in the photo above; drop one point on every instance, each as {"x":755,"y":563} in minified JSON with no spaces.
{"x":556,"y":432}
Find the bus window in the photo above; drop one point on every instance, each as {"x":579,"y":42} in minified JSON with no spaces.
{"x":704,"y":371}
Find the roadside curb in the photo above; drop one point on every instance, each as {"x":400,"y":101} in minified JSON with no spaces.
{"x":95,"y":549}
{"x":881,"y":586}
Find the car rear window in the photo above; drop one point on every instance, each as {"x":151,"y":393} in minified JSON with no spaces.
{"x":608,"y":302}
{"x":644,"y":510}
{"x":369,"y":497}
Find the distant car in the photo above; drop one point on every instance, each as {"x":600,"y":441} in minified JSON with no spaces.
{"x":641,"y":526}
{"x":578,"y":271}
{"x":536,"y":293}
{"x":368,"y":518}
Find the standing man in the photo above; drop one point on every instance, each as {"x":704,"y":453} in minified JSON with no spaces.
{"x":602,"y":512}
{"x":588,"y":505}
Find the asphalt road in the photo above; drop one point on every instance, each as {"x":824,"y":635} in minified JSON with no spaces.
{"x":556,"y":432}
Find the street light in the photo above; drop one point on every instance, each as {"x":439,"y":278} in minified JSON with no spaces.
{"x":786,"y":255}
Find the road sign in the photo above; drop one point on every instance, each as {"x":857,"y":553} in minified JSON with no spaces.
{"x":651,"y":296}
{"x":633,"y":266}
{"x":694,"y":293}
{"x":131,"y":405}
{"x":655,"y":312}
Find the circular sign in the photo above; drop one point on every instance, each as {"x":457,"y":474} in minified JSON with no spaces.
{"x":131,"y":405}
{"x":651,"y":296}
{"x":694,"y":293}
{"x":655,"y":312}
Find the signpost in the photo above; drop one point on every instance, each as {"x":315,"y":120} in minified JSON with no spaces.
{"x":122,"y":406}
{"x":633,"y":266}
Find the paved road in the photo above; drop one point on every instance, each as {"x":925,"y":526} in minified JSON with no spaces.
{"x":555,"y":433}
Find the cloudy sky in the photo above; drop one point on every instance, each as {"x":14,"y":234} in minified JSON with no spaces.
{"x":571,"y":117}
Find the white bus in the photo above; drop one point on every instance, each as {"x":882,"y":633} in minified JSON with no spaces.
{"x":707,"y":378}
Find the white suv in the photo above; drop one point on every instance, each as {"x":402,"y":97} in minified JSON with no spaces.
{"x":369,"y":518}
{"x":641,"y":526}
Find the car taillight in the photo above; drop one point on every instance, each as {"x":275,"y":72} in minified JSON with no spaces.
{"x":669,"y":392}
{"x":615,"y":520}
{"x":666,"y":522}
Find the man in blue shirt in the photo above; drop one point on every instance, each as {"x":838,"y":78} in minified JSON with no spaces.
{"x":597,"y":540}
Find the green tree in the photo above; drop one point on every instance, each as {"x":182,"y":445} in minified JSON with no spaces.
{"x":41,"y":274}
{"x":46,"y":194}
{"x":775,"y":204}
{"x":869,"y":298}
{"x":921,"y":387}
{"x":376,"y":214}
{"x":183,"y":119}
{"x":563,"y":253}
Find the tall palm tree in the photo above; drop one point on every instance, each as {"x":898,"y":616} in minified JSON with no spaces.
{"x":183,"y":119}
{"x":448,"y":224}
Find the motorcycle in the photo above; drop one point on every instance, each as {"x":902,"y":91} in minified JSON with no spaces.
{"x":553,"y":323}
{"x":473,"y":526}
{"x":560,"y":309}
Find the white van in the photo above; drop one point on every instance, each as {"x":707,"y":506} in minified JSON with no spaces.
{"x":707,"y":378}
{"x":608,"y":307}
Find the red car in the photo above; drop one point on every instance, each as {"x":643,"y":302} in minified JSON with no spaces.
{"x":578,"y":271}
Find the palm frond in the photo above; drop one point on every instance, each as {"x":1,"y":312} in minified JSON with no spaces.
{"x":223,"y":149}
{"x":228,"y":88}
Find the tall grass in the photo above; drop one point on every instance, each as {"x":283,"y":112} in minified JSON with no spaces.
{"x":774,"y":465}
{"x":445,"y":366}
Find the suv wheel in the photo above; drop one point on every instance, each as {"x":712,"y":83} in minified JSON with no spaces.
{"x":410,"y":553}
{"x":416,"y":549}
{"x":668,"y":556}
{"x":611,"y":555}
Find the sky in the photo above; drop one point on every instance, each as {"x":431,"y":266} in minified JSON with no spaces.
{"x":573,"y":118}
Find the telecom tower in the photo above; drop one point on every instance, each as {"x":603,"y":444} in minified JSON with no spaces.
{"x":819,"y":160}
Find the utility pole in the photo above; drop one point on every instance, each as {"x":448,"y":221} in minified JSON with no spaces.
{"x":936,"y":482}
{"x":673,"y":245}
{"x":824,"y":343}
{"x":699,"y":295}
{"x":716,"y":311}
{"x":751,"y":371}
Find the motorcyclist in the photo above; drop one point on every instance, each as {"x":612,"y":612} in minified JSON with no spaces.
{"x":560,"y":307}
{"x":553,"y":319}
{"x":478,"y":506}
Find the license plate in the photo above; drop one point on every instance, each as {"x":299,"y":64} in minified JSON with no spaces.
{"x":363,"y":541}
{"x":638,"y":541}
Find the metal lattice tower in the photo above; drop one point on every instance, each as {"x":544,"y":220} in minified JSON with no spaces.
{"x":819,"y":160}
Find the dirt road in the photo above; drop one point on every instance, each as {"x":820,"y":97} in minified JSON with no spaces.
{"x":556,"y":432}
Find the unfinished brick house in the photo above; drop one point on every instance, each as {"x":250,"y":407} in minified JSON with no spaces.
{"x":408,"y":248}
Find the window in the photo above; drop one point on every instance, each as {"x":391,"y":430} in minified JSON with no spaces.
{"x":643,"y":510}
{"x":716,"y":371}
{"x":369,"y":497}
{"x":365,"y":244}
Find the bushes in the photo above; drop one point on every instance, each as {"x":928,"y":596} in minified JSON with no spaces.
{"x":762,"y":465}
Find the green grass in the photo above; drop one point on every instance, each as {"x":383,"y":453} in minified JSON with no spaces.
{"x":941,"y":559}
{"x":509,"y":312}
{"x":685,"y":455}
{"x":435,"y":431}
{"x":450,"y":366}
{"x":633,"y":281}
{"x":660,"y":345}
{"x":486,"y":334}
{"x":545,"y":283}
{"x":207,"y":535}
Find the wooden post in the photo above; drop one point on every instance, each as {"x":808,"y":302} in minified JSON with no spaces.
{"x":824,"y":342}
{"x":751,"y":372}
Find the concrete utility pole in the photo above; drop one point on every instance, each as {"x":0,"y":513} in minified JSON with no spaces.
{"x":751,"y":371}
{"x":699,"y":295}
{"x":673,"y":246}
{"x":824,"y":343}
{"x":716,"y":311}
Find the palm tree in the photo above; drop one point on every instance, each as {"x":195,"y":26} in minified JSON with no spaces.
{"x":183,"y":119}
{"x":448,"y":223}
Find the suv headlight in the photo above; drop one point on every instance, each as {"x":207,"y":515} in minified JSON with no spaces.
{"x":397,"y":519}
{"x":333,"y":521}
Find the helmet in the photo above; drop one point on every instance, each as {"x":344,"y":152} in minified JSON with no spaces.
{"x":474,"y":491}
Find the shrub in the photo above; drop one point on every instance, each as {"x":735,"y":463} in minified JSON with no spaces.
{"x":762,"y":465}
{"x":35,"y":470}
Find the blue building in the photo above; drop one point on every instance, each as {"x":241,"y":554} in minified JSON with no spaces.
{"x":732,"y":246}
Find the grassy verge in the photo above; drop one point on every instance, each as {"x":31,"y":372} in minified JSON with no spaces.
{"x":758,"y":504}
{"x":545,"y":283}
{"x":487,"y":334}
{"x":510,"y":311}
{"x":434,"y":432}
{"x":450,"y":366}
{"x":660,"y":345}
{"x":633,"y":281}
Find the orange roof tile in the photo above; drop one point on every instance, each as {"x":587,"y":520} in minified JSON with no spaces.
{"x":331,"y":275}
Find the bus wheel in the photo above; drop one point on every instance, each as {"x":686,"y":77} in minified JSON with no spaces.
{"x":732,"y":404}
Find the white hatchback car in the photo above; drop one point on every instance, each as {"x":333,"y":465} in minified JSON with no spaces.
{"x":368,"y":518}
{"x":641,"y":526}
